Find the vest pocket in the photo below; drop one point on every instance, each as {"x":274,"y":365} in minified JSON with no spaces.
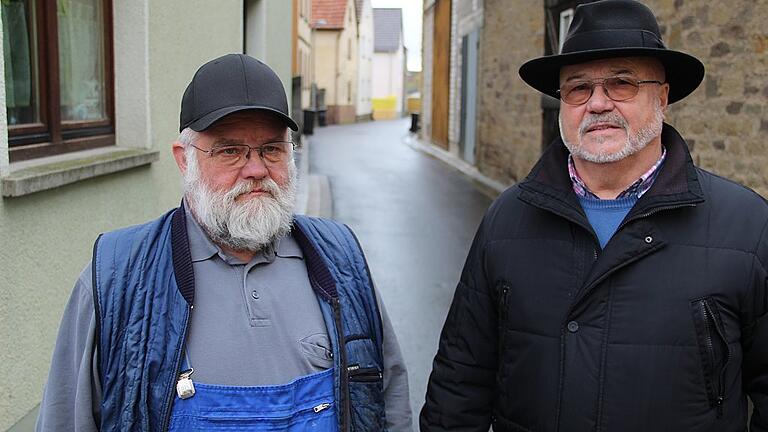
{"x":365,"y":384}
{"x":713,"y":349}
{"x":358,"y":374}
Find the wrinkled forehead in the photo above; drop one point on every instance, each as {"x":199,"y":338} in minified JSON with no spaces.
{"x":639,"y":67}
{"x":255,"y":121}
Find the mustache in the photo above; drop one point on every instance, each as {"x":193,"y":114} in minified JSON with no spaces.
{"x":610,"y":117}
{"x":265,"y":184}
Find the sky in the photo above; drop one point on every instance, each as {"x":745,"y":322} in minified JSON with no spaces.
{"x":412,"y":12}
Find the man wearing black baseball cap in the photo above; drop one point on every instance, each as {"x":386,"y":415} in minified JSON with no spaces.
{"x":618,"y":287}
{"x":229,"y":312}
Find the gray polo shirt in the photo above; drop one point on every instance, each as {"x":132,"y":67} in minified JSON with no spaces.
{"x":255,"y":323}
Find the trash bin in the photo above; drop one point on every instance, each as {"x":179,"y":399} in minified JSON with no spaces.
{"x":414,"y":122}
{"x":309,"y":122}
{"x":321,"y":120}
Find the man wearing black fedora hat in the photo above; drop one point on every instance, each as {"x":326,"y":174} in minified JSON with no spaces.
{"x":618,"y":287}
{"x":229,"y":312}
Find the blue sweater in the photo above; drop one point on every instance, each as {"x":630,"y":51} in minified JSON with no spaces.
{"x":606,"y":215}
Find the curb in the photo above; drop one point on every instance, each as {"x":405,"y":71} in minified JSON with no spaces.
{"x":313,"y":194}
{"x":488,"y":186}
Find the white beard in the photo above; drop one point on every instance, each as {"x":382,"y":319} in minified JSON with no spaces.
{"x":634,"y":143}
{"x":241,"y":226}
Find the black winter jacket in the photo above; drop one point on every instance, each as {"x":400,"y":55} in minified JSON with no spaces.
{"x":663,"y":330}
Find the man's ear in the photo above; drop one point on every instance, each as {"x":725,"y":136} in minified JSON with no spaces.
{"x":664,"y":97}
{"x":180,"y":154}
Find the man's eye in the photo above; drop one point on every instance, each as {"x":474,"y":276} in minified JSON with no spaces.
{"x":583,"y":87}
{"x":622,"y":82}
{"x":271,"y":149}
{"x":229,"y":151}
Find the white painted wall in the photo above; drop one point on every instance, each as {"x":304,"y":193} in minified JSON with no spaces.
{"x":365,"y":60}
{"x":388,"y":75}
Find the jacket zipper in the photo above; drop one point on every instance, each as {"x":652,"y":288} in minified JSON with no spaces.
{"x":709,"y":315}
{"x":653,"y":212}
{"x":641,"y":216}
{"x":502,"y":314}
{"x":177,"y":362}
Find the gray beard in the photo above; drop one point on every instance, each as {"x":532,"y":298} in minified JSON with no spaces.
{"x":242,"y":226}
{"x":634,"y":143}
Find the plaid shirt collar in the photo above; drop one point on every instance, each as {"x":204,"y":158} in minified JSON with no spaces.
{"x":637,"y":188}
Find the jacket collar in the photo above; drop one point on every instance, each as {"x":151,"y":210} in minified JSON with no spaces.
{"x":548,"y":185}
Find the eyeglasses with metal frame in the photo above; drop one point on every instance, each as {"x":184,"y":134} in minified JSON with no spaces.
{"x":237,"y":155}
{"x":617,"y":88}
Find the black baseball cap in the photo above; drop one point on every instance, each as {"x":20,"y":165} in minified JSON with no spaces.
{"x":231,"y":83}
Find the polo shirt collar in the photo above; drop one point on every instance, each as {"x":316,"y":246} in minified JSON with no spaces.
{"x":202,"y":248}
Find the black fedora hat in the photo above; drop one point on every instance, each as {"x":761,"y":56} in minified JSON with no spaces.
{"x":614,"y":28}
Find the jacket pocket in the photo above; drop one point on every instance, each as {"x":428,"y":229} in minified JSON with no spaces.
{"x":502,"y":292}
{"x":713,"y":348}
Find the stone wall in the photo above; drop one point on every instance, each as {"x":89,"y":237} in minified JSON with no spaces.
{"x":509,"y":112}
{"x":726,"y":119}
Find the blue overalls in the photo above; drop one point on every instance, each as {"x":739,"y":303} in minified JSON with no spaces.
{"x":305,"y":404}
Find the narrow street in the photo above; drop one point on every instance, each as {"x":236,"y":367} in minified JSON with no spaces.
{"x":415,"y":218}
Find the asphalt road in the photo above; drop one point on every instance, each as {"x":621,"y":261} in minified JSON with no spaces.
{"x":415,"y":218}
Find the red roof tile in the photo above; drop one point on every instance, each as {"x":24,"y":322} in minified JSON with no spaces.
{"x":328,"y":14}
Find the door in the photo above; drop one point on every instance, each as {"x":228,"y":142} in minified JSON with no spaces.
{"x":441,"y":72}
{"x":469,"y":48}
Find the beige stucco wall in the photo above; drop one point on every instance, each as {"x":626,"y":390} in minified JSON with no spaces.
{"x":509,"y":113}
{"x":325,"y":53}
{"x":304,"y":35}
{"x":335,"y":63}
{"x":47,"y":236}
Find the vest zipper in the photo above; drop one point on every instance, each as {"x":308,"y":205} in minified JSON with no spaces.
{"x":177,"y":361}
{"x":343,"y":374}
{"x":358,"y":374}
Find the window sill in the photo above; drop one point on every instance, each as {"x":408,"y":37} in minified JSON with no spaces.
{"x":37,"y":175}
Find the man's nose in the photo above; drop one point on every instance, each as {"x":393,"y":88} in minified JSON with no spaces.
{"x":255,"y":166}
{"x":599,"y":101}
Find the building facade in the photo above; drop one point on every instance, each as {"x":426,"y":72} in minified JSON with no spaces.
{"x":88,"y":151}
{"x":724,"y":120}
{"x":389,"y":63}
{"x":364,"y":59}
{"x":301,"y":65}
{"x":334,"y":47}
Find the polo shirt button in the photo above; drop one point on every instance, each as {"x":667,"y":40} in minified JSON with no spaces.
{"x":573,"y":326}
{"x":255,"y":295}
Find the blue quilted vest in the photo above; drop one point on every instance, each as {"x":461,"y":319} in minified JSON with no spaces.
{"x":144,"y":288}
